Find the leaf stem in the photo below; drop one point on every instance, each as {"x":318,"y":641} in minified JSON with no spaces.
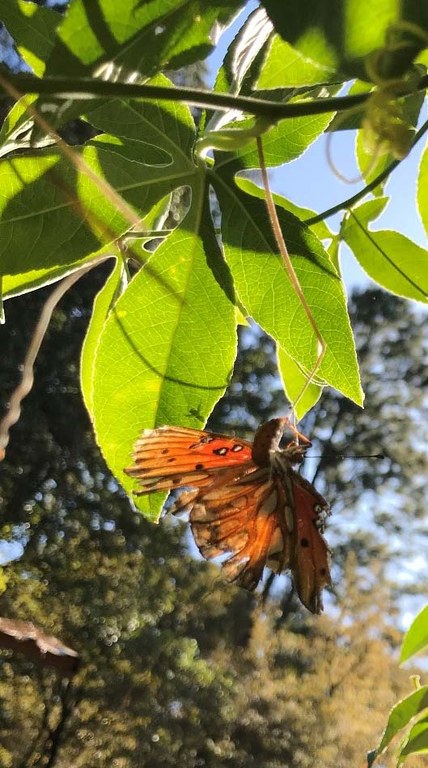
{"x":66,"y":87}
{"x":280,"y":241}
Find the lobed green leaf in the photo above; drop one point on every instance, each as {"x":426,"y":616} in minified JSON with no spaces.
{"x":142,"y":36}
{"x":286,"y":66}
{"x":284,"y":142}
{"x":167,"y":348}
{"x":53,"y":216}
{"x":103,"y":305}
{"x":303,"y":395}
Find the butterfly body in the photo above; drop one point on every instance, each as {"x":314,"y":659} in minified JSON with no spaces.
{"x":247,"y":501}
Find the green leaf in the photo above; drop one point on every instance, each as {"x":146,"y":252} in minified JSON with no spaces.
{"x":371,"y":162}
{"x":298,"y":391}
{"x":15,"y":285}
{"x":304,"y":26}
{"x":320,"y":229}
{"x":236,"y":74}
{"x":371,"y":209}
{"x":416,"y":741}
{"x":54,"y":217}
{"x":16,"y":123}
{"x":422,"y":193}
{"x":265,"y":290}
{"x":142,"y":36}
{"x":340,"y":35}
{"x":402,"y":714}
{"x":167,"y":349}
{"x":33,"y":30}
{"x":285,"y":141}
{"x":103,"y":304}
{"x":285,"y":66}
{"x":416,"y":637}
{"x":389,"y":258}
{"x":168,"y":126}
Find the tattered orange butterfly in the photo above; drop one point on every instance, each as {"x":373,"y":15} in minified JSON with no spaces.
{"x":248,"y":501}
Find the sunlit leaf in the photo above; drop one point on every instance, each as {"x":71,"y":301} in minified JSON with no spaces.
{"x":320,"y":229}
{"x":167,"y":349}
{"x":265,"y":290}
{"x":416,"y":637}
{"x":422,"y":193}
{"x":302,"y":395}
{"x":389,"y":258}
{"x":416,"y":741}
{"x":103,"y":304}
{"x":401,"y":715}
{"x":142,"y":36}
{"x":285,"y":141}
{"x":285,"y":66}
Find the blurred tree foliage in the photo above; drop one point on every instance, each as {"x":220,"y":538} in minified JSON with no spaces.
{"x":178,"y":668}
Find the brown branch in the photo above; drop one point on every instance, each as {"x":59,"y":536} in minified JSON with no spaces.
{"x":26,"y":638}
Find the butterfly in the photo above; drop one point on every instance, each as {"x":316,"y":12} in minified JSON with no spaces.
{"x":246,"y":501}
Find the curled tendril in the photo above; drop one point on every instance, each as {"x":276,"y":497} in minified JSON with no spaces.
{"x":386,"y":126}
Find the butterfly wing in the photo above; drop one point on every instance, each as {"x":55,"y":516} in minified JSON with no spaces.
{"x":310,"y":561}
{"x":170,"y":457}
{"x":244,"y":518}
{"x":263,"y":519}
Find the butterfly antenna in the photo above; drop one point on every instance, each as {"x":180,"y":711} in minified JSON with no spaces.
{"x":341,"y":456}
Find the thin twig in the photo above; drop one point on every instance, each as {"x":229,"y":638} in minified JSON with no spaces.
{"x":368,"y":188}
{"x":276,"y":228}
{"x":27,"y":378}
